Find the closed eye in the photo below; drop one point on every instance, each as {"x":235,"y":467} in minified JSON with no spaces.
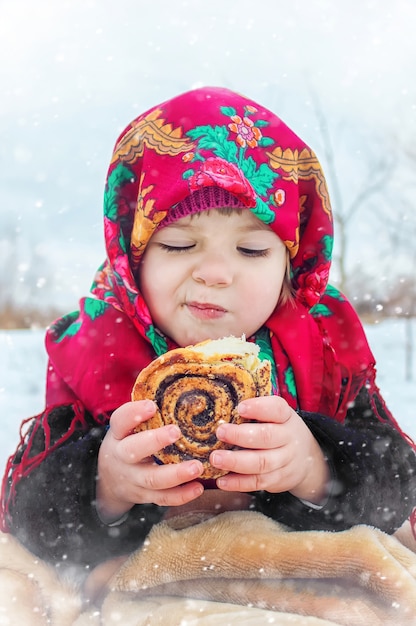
{"x":254,"y":252}
{"x":170,"y":248}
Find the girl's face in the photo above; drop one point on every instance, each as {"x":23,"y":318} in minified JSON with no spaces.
{"x":212,"y":275}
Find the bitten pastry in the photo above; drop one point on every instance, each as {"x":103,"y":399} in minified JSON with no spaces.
{"x":197,"y":388}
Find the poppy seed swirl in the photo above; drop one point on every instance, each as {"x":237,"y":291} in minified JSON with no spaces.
{"x":197,"y":393}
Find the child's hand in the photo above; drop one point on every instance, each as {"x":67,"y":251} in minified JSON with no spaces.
{"x":279,"y":452}
{"x":128,"y":475}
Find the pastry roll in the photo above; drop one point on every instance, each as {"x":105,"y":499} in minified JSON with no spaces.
{"x":197,"y":388}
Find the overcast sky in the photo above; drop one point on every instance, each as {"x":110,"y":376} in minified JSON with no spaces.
{"x":74,"y":73}
{"x":360,"y":54}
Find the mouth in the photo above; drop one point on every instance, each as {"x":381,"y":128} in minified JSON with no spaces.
{"x":206,"y":310}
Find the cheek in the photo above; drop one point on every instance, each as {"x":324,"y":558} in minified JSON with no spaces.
{"x":155,"y":291}
{"x":159,"y":281}
{"x":268,"y":297}
{"x":151,"y":282}
{"x":267,"y":283}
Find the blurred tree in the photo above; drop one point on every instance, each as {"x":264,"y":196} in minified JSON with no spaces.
{"x":26,"y":281}
{"x":400,"y":302}
{"x":379,"y":168}
{"x":8,"y":262}
{"x":388,"y":184}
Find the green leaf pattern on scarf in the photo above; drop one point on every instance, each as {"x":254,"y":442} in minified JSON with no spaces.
{"x":327,"y":245}
{"x":262,"y":178}
{"x":216,"y":139}
{"x":320,"y":310}
{"x":262,"y":211}
{"x":66,"y":327}
{"x":265,"y":142}
{"x":118,"y":177}
{"x":70,"y":331}
{"x":323,"y":310}
{"x":158,"y":342}
{"x":333,"y":292}
{"x":94,"y":308}
{"x":289,"y":378}
{"x":262,"y":339}
{"x":230,"y":111}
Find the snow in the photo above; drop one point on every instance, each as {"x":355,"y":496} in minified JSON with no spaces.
{"x":23,"y":369}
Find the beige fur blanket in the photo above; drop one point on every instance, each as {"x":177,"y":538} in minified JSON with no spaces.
{"x":236,"y":567}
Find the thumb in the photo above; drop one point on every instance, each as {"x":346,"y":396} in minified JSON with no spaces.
{"x":266,"y":409}
{"x":128,"y":416}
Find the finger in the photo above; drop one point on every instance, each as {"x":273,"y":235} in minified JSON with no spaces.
{"x":161,"y":477}
{"x":249,"y":483}
{"x":176,"y":496}
{"x":279,"y":479}
{"x":252,"y":435}
{"x":266,"y":409}
{"x":129,"y":415}
{"x":135,"y":448}
{"x":247,"y":462}
{"x":158,"y":484}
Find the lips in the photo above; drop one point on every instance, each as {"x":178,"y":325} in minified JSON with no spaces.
{"x":206,"y":310}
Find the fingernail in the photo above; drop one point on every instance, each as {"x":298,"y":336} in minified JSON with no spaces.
{"x":217,"y":458}
{"x":148,"y":405}
{"x":194,"y":469}
{"x":220,"y":432}
{"x":174,"y":432}
{"x":242,"y":409}
{"x":198,"y":490}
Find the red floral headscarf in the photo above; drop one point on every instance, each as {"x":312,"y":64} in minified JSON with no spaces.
{"x":202,"y":138}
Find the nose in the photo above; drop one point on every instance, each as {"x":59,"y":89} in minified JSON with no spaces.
{"x":213,"y":270}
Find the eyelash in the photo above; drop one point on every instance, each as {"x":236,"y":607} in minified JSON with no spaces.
{"x":253,"y":253}
{"x":168,"y":248}
{"x":249,"y":252}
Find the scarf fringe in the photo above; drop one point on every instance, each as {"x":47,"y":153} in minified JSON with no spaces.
{"x":29,"y":428}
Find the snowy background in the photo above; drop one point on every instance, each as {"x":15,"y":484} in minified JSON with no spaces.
{"x":23,"y":368}
{"x":74,"y":73}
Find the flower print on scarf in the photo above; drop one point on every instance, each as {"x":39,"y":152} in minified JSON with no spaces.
{"x":216,"y":172}
{"x":231,"y":168}
{"x":248,"y":134}
{"x":279,"y":197}
{"x":113,"y":204}
{"x":321,"y":309}
{"x":116,"y":209}
{"x":311,"y":283}
{"x":143,"y":311}
{"x":112,"y":235}
{"x":102,"y":286}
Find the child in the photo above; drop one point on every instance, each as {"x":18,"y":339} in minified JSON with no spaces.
{"x":217,"y":222}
